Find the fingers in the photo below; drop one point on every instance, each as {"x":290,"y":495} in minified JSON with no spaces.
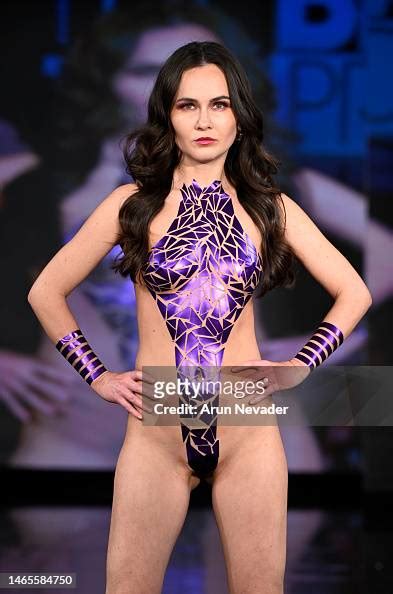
{"x":249,"y":364}
{"x":53,"y":375}
{"x":59,"y":392}
{"x":268,"y":391}
{"x":141,"y":384}
{"x":251,"y":387}
{"x":19,"y":391}
{"x":14,"y":406}
{"x":265,"y":373}
{"x":30,"y":385}
{"x":134,"y":405}
{"x":130,"y":407}
{"x":124,"y":388}
{"x":131,"y":397}
{"x":143,"y":389}
{"x":138,"y":402}
{"x":138,"y":374}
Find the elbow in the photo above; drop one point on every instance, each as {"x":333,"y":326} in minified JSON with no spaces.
{"x":32,"y":295}
{"x":41,"y":293}
{"x":365,"y":298}
{"x":369,"y":299}
{"x":359,"y":296}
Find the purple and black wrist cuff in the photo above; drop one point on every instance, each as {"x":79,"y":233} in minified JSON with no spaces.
{"x":326,"y":339}
{"x":75,"y":348}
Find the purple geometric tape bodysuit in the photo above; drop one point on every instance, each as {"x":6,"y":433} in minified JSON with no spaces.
{"x":201,"y":275}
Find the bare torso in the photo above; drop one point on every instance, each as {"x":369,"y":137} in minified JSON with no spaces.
{"x":191,"y":300}
{"x":156,"y":348}
{"x":155,"y":344}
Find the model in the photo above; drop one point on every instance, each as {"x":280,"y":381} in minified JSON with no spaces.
{"x":200,"y":229}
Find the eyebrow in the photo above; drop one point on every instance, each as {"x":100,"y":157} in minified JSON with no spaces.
{"x":211,"y":100}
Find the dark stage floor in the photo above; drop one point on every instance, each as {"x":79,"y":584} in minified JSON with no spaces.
{"x":339,"y":539}
{"x":329,"y":552}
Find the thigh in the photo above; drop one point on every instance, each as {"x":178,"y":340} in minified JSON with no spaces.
{"x":150,"y":502}
{"x":249,"y":495}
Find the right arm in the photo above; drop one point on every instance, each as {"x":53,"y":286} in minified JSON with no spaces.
{"x":66,"y":270}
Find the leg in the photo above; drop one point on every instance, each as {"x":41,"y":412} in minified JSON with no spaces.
{"x":150,"y":502}
{"x":250,"y":504}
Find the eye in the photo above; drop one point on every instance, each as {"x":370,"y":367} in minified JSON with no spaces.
{"x":183,"y":105}
{"x":222,"y":103}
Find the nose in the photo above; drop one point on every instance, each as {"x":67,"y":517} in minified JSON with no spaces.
{"x":203,"y":120}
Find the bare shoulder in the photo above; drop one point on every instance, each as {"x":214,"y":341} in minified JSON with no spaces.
{"x":287,"y":204}
{"x":295,"y":218}
{"x":121,"y":193}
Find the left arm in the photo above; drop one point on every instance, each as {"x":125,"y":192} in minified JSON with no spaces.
{"x":351,"y":301}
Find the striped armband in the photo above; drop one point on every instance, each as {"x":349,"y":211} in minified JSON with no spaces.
{"x":326,"y":339}
{"x":75,"y":348}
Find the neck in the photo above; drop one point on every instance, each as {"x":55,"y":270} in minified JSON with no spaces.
{"x":204,"y":176}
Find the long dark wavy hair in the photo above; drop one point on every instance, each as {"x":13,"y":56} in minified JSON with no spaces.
{"x":152,"y":155}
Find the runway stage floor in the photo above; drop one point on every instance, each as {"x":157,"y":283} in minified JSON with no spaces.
{"x":329,"y":552}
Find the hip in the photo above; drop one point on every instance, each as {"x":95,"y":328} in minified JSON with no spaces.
{"x":166,"y":442}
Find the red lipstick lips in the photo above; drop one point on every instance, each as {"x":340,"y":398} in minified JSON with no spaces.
{"x":205,"y":140}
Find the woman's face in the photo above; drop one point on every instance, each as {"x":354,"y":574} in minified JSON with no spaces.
{"x":132,"y":84}
{"x":202,"y":108}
